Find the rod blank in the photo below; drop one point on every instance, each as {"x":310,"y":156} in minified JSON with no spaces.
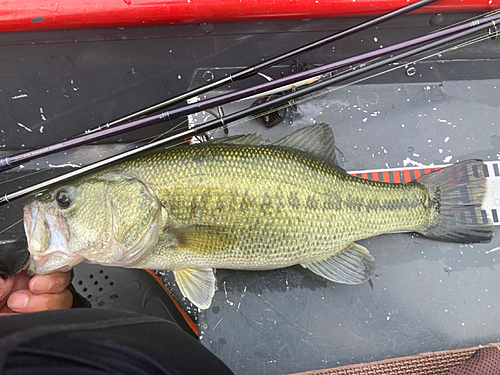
{"x":121,"y":125}
{"x":453,"y":34}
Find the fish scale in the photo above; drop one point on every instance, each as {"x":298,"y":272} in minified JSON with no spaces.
{"x":244,"y":203}
{"x":261,"y":194}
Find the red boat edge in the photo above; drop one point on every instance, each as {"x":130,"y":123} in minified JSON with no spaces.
{"x":32,"y":15}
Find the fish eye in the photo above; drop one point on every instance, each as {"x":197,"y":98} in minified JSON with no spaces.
{"x":63,"y":199}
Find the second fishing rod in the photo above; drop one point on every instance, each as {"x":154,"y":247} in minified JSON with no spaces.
{"x":121,"y":127}
{"x":476,"y":26}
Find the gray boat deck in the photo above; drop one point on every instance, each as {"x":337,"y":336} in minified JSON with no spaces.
{"x":426,"y":295}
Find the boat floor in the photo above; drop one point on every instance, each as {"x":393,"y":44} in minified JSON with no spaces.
{"x":425,"y":296}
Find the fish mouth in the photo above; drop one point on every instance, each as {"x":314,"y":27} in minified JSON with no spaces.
{"x":55,"y":262}
{"x":47,"y":241}
{"x":30,"y":214}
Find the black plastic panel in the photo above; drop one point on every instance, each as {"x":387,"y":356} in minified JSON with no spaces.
{"x":426,"y":295}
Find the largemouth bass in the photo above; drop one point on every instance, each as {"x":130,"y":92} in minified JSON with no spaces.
{"x":244,"y":203}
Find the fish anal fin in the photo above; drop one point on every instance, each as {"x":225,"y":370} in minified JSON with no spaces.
{"x":198,"y":285}
{"x":202,"y":238}
{"x":352,"y":265}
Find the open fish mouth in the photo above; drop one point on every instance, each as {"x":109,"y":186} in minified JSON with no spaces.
{"x":47,"y":241}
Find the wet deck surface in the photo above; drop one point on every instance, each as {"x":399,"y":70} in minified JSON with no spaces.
{"x":426,"y":295}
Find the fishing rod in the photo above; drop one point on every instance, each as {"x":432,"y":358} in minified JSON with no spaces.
{"x":121,"y":125}
{"x":254,"y":69}
{"x":476,"y":25}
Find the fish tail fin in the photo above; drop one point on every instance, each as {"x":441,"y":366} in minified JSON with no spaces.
{"x":457,"y":194}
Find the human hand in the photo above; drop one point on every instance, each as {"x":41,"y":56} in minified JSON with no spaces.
{"x":21,"y":293}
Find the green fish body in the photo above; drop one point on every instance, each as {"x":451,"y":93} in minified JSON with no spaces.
{"x":241,"y":203}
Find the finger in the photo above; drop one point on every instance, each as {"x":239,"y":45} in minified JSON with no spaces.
{"x":24,"y":301}
{"x":52,"y":284}
{"x":21,"y":281}
{"x":5,"y":286}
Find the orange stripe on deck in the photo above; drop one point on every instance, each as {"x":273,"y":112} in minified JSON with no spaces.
{"x":397,"y":177}
{"x":385,"y":176}
{"x":406,"y":176}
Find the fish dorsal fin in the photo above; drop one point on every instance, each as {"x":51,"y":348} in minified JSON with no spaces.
{"x":316,"y":139}
{"x":246,"y":139}
{"x":353,"y":265}
{"x":198,"y":285}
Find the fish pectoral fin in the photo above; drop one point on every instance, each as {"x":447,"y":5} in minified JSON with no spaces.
{"x":353,"y":265}
{"x":198,"y":285}
{"x":202,"y":238}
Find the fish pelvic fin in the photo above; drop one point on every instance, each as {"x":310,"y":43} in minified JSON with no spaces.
{"x":353,"y":265}
{"x":457,"y":194}
{"x":198,"y":285}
